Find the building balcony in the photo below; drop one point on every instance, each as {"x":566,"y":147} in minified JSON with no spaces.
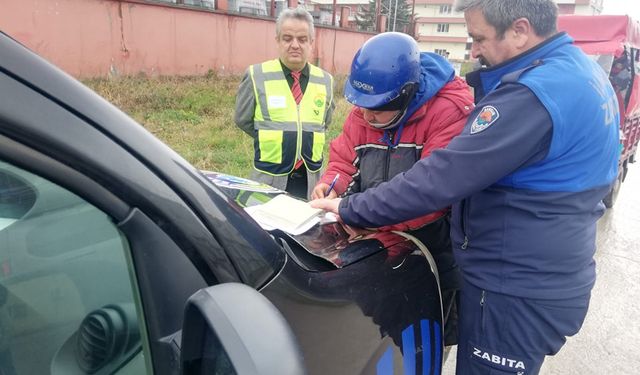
{"x":456,"y":20}
{"x":442,"y":39}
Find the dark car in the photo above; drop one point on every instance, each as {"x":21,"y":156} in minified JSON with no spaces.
{"x":117,"y":256}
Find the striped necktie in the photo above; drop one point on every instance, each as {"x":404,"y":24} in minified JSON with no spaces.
{"x":296,"y":90}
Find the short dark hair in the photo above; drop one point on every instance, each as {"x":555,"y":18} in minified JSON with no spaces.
{"x":542,"y":14}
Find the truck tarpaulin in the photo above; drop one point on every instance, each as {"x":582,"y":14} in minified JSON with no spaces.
{"x":602,"y":35}
{"x":614,"y":42}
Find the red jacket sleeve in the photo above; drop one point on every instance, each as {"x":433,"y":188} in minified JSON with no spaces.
{"x":342,"y":158}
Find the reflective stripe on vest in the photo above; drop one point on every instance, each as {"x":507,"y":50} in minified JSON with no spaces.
{"x":282,"y":125}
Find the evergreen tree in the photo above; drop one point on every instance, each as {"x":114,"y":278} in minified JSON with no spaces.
{"x":366,"y":20}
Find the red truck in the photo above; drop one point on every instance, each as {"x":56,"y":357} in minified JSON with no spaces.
{"x":614,"y":41}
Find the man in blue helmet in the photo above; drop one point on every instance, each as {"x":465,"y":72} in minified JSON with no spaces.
{"x":406,"y":104}
{"x":526,"y":178}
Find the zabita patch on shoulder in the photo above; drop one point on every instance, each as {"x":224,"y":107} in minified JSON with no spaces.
{"x":488,"y":116}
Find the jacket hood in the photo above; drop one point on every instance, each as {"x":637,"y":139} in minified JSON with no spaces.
{"x":435,"y":73}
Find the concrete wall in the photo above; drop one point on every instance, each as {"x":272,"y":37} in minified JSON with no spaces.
{"x":89,"y":38}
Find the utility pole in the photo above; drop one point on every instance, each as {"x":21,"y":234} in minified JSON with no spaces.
{"x":413,"y":20}
{"x":395,"y":15}
{"x":389,"y":16}
{"x":378,"y":11}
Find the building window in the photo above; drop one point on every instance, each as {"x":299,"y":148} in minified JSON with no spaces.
{"x":445,"y":9}
{"x":443,"y":27}
{"x":440,"y":51}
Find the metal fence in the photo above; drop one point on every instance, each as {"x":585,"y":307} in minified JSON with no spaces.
{"x":323,"y":14}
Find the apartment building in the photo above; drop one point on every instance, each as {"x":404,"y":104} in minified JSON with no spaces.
{"x":442,"y":30}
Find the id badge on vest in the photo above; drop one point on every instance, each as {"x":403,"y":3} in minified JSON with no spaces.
{"x":275,"y":102}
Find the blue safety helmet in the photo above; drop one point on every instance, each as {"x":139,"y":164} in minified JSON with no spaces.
{"x":383,"y":70}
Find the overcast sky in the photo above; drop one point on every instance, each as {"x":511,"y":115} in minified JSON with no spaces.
{"x":629,"y":7}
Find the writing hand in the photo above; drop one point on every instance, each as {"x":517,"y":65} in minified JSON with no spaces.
{"x":320,"y":191}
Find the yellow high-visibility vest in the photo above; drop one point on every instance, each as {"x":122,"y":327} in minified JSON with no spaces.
{"x":287,"y":131}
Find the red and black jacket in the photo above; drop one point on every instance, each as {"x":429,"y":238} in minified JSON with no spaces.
{"x":365,"y":159}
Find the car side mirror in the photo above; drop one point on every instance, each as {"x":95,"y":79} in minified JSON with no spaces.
{"x":233,"y":329}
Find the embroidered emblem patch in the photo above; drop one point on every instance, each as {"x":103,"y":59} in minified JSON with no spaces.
{"x":318,"y":100}
{"x":487,"y":116}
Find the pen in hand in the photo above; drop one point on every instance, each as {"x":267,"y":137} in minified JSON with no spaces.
{"x":333,"y":183}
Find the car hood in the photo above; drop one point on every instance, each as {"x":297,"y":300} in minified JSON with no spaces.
{"x":336,"y":243}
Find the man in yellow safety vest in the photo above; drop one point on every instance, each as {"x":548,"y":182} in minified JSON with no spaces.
{"x":285,"y":105}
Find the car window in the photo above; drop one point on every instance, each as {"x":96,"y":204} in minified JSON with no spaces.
{"x":67,"y":301}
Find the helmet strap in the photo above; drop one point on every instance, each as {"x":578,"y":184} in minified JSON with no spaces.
{"x":390,"y":124}
{"x":406,"y":95}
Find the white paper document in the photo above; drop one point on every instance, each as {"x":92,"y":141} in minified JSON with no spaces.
{"x":285,"y":213}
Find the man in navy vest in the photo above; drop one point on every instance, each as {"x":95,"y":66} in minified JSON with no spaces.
{"x":526,"y":178}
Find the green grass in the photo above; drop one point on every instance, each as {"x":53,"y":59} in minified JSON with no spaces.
{"x":194,"y":116}
{"x":466,"y":68}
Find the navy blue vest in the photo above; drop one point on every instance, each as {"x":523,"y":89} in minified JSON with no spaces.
{"x":584,"y":153}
